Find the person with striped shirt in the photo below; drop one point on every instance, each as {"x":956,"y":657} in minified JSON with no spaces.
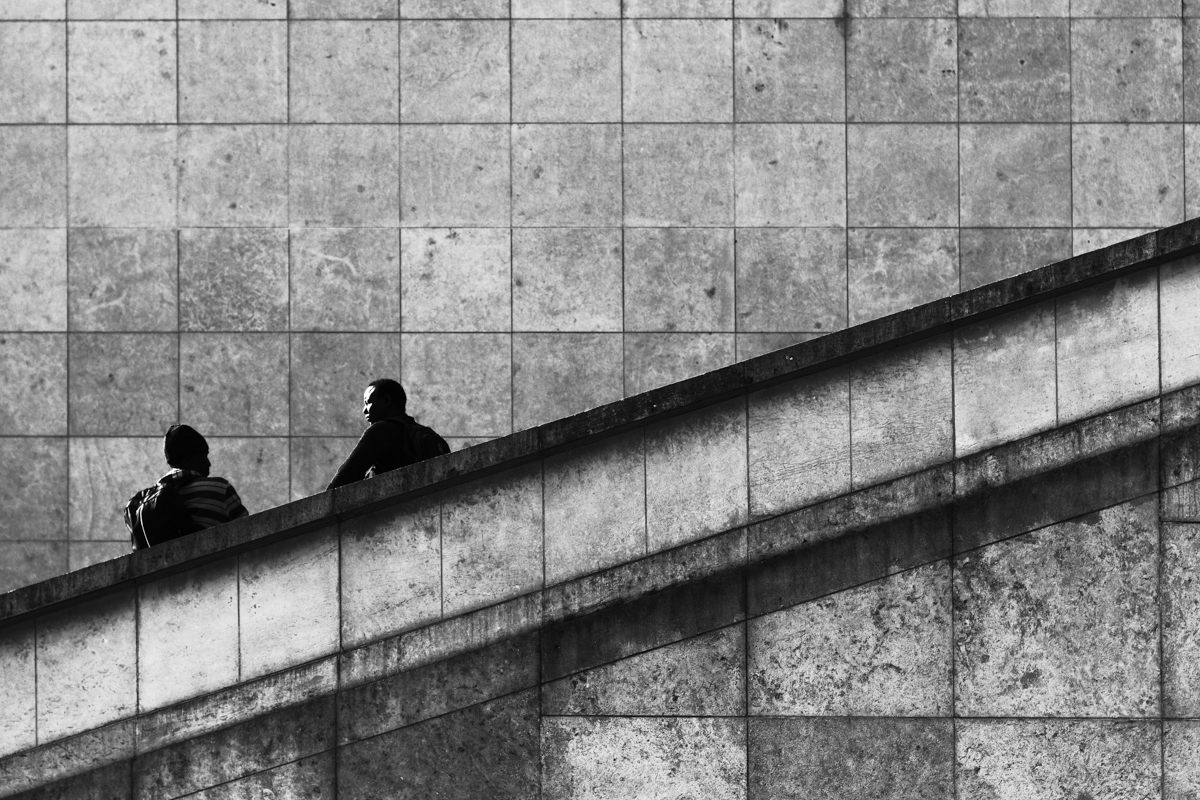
{"x":210,"y":501}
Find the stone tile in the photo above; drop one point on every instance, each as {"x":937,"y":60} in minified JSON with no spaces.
{"x":492,"y":539}
{"x":556,"y":375}
{"x":799,"y":442}
{"x":1108,"y":346}
{"x":456,"y":175}
{"x":1014,"y":8}
{"x":120,"y":9}
{"x":787,"y":8}
{"x":566,"y":70}
{"x":752,"y":345}
{"x":823,"y":759}
{"x":791,"y":175}
{"x":1015,"y":175}
{"x":677,"y":70}
{"x":312,"y":777}
{"x":688,"y":9}
{"x":123,"y":279}
{"x":992,"y":254}
{"x":33,"y":372}
{"x":344,"y":9}
{"x":234,"y":384}
{"x":33,"y":60}
{"x":1179,"y":296}
{"x":883,"y":649}
{"x":1191,"y":8}
{"x":595,"y":506}
{"x":566,"y":175}
{"x":455,"y":71}
{"x":703,"y":676}
{"x":344,"y":279}
{"x":1085,"y":240}
{"x":789,"y":70}
{"x":334,"y":368}
{"x":455,"y":280}
{"x":1062,"y":621}
{"x":1038,"y":758}
{"x":342,"y":71}
{"x":86,"y":666}
{"x":391,"y":577}
{"x":696,"y":479}
{"x":233,"y":71}
{"x":288,"y":607}
{"x":233,"y":279}
{"x":894,"y":269}
{"x":565,"y":8}
{"x":123,"y":384}
{"x":26,"y":563}
{"x":901,"y":411}
{"x":256,"y":466}
{"x":1191,"y":69}
{"x":902,"y":70}
{"x":18,"y":716}
{"x":1004,"y":379}
{"x":679,"y":175}
{"x":34,"y":9}
{"x":459,"y":384}
{"x":1014,"y":70}
{"x":679,"y":279}
{"x":1181,"y":757}
{"x":1124,"y":8}
{"x":791,"y":279}
{"x":344,"y":175}
{"x":103,"y":474}
{"x":233,"y":176}
{"x":900,"y":8}
{"x":1127,"y":175}
{"x":187,"y":634}
{"x":657,"y":359}
{"x":33,"y":472}
{"x":567,"y":279}
{"x":121,"y":72}
{"x":456,"y":9}
{"x":33,"y":279}
{"x":644,"y":756}
{"x":35,"y":167}
{"x":85,"y":554}
{"x":902,"y":175}
{"x":313,"y":461}
{"x":1180,"y":601}
{"x":232,"y":9}
{"x":1126,"y":70}
{"x":123,"y":176}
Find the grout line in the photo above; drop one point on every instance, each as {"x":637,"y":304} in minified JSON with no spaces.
{"x":512,"y":336}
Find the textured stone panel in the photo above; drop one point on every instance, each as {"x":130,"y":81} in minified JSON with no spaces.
{"x":232,"y":9}
{"x":344,"y":9}
{"x":18,"y":715}
{"x":34,"y":9}
{"x":234,"y":384}
{"x":657,"y":359}
{"x":1062,"y":621}
{"x":799,"y":442}
{"x":678,"y":70}
{"x":791,"y":279}
{"x":455,"y":279}
{"x":120,"y":9}
{"x":345,"y":279}
{"x":455,"y":175}
{"x":606,"y":757}
{"x":901,"y":71}
{"x":123,"y":175}
{"x":1181,"y":604}
{"x":1015,"y":175}
{"x":312,"y":778}
{"x":85,"y":554}
{"x":1127,"y":70}
{"x":234,"y":176}
{"x":33,"y":374}
{"x":459,"y":384}
{"x":901,"y":411}
{"x":256,"y":466}
{"x":1108,"y":346}
{"x":122,"y":383}
{"x":566,"y":175}
{"x":1004,"y":379}
{"x":787,"y":8}
{"x":1014,"y":70}
{"x":33,"y":59}
{"x":123,"y":279}
{"x":455,"y":71}
{"x":1181,"y":760}
{"x":187,"y":634}
{"x":29,"y":562}
{"x":556,"y":375}
{"x":895,"y":269}
{"x":233,"y":71}
{"x":567,"y":279}
{"x":391,"y":571}
{"x":566,"y":70}
{"x":1085,"y":240}
{"x":1179,"y":296}
{"x":752,"y":345}
{"x":679,"y":175}
{"x":595,"y":506}
{"x":1191,"y":69}
{"x":343,"y":72}
{"x":1014,"y":8}
{"x":333,"y":369}
{"x":992,"y":254}
{"x":344,"y":175}
{"x":1127,"y":175}
{"x":789,"y":70}
{"x":1057,"y":758}
{"x":233,"y":279}
{"x":121,"y":72}
{"x":684,"y":9}
{"x":566,"y":8}
{"x":33,"y":472}
{"x":86,"y":666}
{"x":791,"y":175}
{"x":313,"y":461}
{"x":35,"y":167}
{"x":824,"y":759}
{"x":1125,"y":8}
{"x":900,"y":8}
{"x":33,"y":279}
{"x":104,"y":474}
{"x":492,"y":539}
{"x":696,"y":479}
{"x":902,"y":175}
{"x":679,"y":279}
{"x":288,"y":607}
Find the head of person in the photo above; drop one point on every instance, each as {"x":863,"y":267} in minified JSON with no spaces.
{"x":384,"y":398}
{"x":185,"y":448}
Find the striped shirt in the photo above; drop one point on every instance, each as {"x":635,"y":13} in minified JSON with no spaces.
{"x":211,"y":501}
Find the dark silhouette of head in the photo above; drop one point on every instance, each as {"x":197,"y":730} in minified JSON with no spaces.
{"x":185,"y":448}
{"x":384,"y":398}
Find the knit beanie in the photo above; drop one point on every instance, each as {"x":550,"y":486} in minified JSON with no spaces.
{"x":182,"y":441}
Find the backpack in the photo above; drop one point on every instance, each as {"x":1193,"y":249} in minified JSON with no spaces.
{"x":156,"y":515}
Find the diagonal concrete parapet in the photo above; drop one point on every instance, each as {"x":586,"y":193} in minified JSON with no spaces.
{"x":721,"y":536}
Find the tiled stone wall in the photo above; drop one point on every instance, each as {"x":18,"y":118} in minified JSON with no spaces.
{"x":234,"y":212}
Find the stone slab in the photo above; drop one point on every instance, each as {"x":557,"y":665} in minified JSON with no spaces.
{"x":1180,"y":600}
{"x":18,"y":717}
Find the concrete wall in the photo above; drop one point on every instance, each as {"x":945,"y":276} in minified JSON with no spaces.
{"x":214,"y":213}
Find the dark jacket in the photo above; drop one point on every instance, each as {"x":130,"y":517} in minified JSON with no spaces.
{"x":387,"y":445}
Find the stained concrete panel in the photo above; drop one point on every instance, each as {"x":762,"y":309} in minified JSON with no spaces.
{"x":1181,"y":604}
{"x":335,"y":368}
{"x":232,"y":9}
{"x":343,"y":9}
{"x":1127,"y":70}
{"x":255,"y":467}
{"x":120,"y":9}
{"x":33,"y":279}
{"x":677,"y":9}
{"x":343,"y":279}
{"x":1181,"y":760}
{"x":35,"y":162}
{"x":677,"y":70}
{"x":33,"y":372}
{"x":1179,"y":296}
{"x":1014,"y":8}
{"x":455,"y":175}
{"x":233,"y":71}
{"x":312,"y":778}
{"x":902,"y":175}
{"x":233,"y":384}
{"x":123,"y":176}
{"x":455,"y":279}
{"x":991,"y":254}
{"x":679,"y":175}
{"x":1085,"y":240}
{"x":556,"y":375}
{"x":1015,"y":175}
{"x":900,"y":8}
{"x":123,"y":279}
{"x":459,"y":383}
{"x":790,"y":175}
{"x":565,"y":8}
{"x":657,"y":359}
{"x":1127,"y":175}
{"x":18,"y":715}
{"x":902,"y":71}
{"x":314,"y":460}
{"x":566,"y":175}
{"x":791,"y":279}
{"x":343,"y":71}
{"x":566,"y":70}
{"x":233,"y":175}
{"x":85,"y":554}
{"x":104,"y":473}
{"x":1191,"y":69}
{"x":344,"y":175}
{"x":123,"y":383}
{"x":789,"y":70}
{"x":679,"y":279}
{"x":1014,"y":70}
{"x":893,"y":269}
{"x":33,"y":59}
{"x":567,"y":279}
{"x":233,"y":279}
{"x":34,"y":9}
{"x":455,"y":71}
{"x":30,"y":562}
{"x":33,"y":470}
{"x":122,"y":72}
